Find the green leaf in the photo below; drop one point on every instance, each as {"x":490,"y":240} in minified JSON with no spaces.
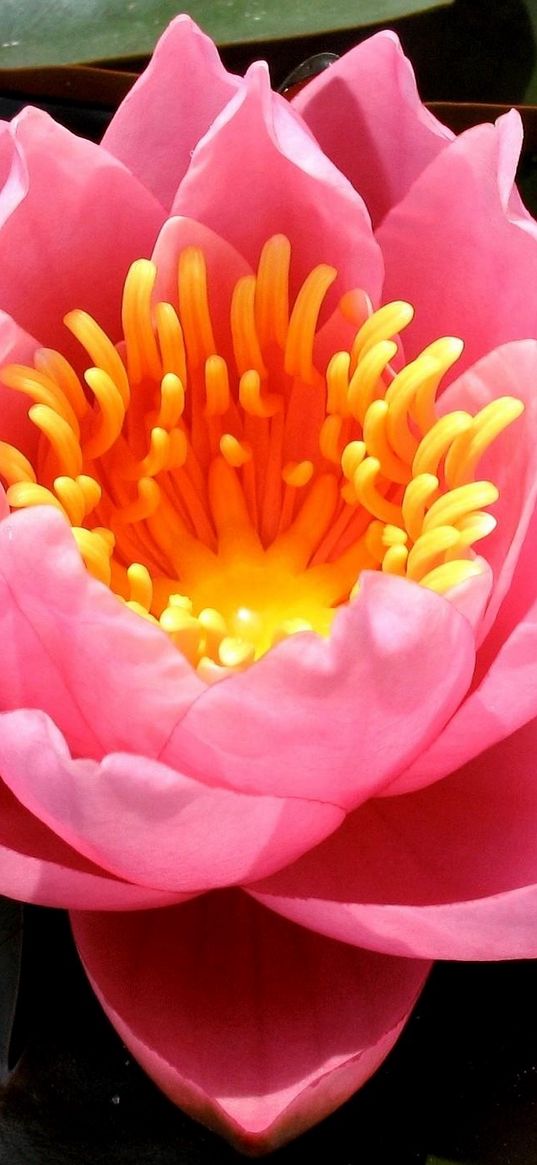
{"x":64,"y":31}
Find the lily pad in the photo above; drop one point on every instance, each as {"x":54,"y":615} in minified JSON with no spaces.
{"x":64,"y":31}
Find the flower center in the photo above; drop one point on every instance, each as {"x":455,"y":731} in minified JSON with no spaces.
{"x":234,"y":496}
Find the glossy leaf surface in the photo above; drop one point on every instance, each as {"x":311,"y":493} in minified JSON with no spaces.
{"x":63,"y":31}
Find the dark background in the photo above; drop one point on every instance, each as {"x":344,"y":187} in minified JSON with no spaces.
{"x":461,"y":1085}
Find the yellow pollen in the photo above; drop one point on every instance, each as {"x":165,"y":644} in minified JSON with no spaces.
{"x":232,"y":496}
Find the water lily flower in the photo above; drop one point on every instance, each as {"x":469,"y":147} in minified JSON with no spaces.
{"x":268,"y":589}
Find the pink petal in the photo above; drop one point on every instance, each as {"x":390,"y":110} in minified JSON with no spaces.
{"x":334,"y":719}
{"x":518,"y":603}
{"x":449,"y":872}
{"x":170,"y":108}
{"x":471,"y":596}
{"x":367,"y":116}
{"x":501,"y":702}
{"x":72,"y":221}
{"x":257,"y":135}
{"x":148,"y":824}
{"x":255,"y":1027}
{"x":36,"y":866}
{"x":107,"y":678}
{"x":16,"y":346}
{"x":12,"y":172}
{"x":455,"y":250}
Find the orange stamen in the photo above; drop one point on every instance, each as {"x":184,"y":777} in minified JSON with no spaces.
{"x":232,"y":498}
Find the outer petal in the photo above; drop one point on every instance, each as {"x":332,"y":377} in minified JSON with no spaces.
{"x":60,"y":629}
{"x":517,"y":608}
{"x":254,"y":1026}
{"x":258,"y":134}
{"x":72,"y":220}
{"x":367,"y":116}
{"x":471,"y":596}
{"x":36,"y":866}
{"x":174,"y":834}
{"x":170,"y":108}
{"x":334,"y":719}
{"x":502,"y":701}
{"x":449,"y":872}
{"x":455,"y":249}
{"x":16,"y":347}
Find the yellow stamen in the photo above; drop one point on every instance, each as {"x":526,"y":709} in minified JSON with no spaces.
{"x":429,"y":548}
{"x":172,"y":401}
{"x":95,"y":550}
{"x":458,"y":503}
{"x":437,"y":359}
{"x":232,"y":498}
{"x":61,"y":438}
{"x":381,"y":325}
{"x":26,"y":493}
{"x":337,"y":383}
{"x":484,"y":429}
{"x":367,"y":378}
{"x":216,"y":386}
{"x":171,"y":342}
{"x":112,"y":412}
{"x":329,"y":438}
{"x":243,"y":327}
{"x":58,"y":370}
{"x":14,"y":466}
{"x":272,"y":292}
{"x":41,"y":389}
{"x":194,"y":307}
{"x":72,"y":498}
{"x":251,"y":399}
{"x":417,"y":497}
{"x":303,"y":322}
{"x":235,"y":452}
{"x":353,"y":454}
{"x":378,"y":445}
{"x":101,"y":349}
{"x":141,"y":585}
{"x":365,"y":483}
{"x":438,"y":441}
{"x":449,"y":575}
{"x":297,"y":473}
{"x":143,"y":362}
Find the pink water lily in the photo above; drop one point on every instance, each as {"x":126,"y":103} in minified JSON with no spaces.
{"x":268,"y":590}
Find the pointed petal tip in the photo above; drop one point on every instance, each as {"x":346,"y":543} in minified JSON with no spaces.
{"x":210,"y":999}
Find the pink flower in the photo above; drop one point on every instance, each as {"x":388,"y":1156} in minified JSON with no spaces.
{"x":368,"y":778}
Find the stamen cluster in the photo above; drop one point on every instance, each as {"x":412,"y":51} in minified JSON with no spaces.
{"x":235,"y":496}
